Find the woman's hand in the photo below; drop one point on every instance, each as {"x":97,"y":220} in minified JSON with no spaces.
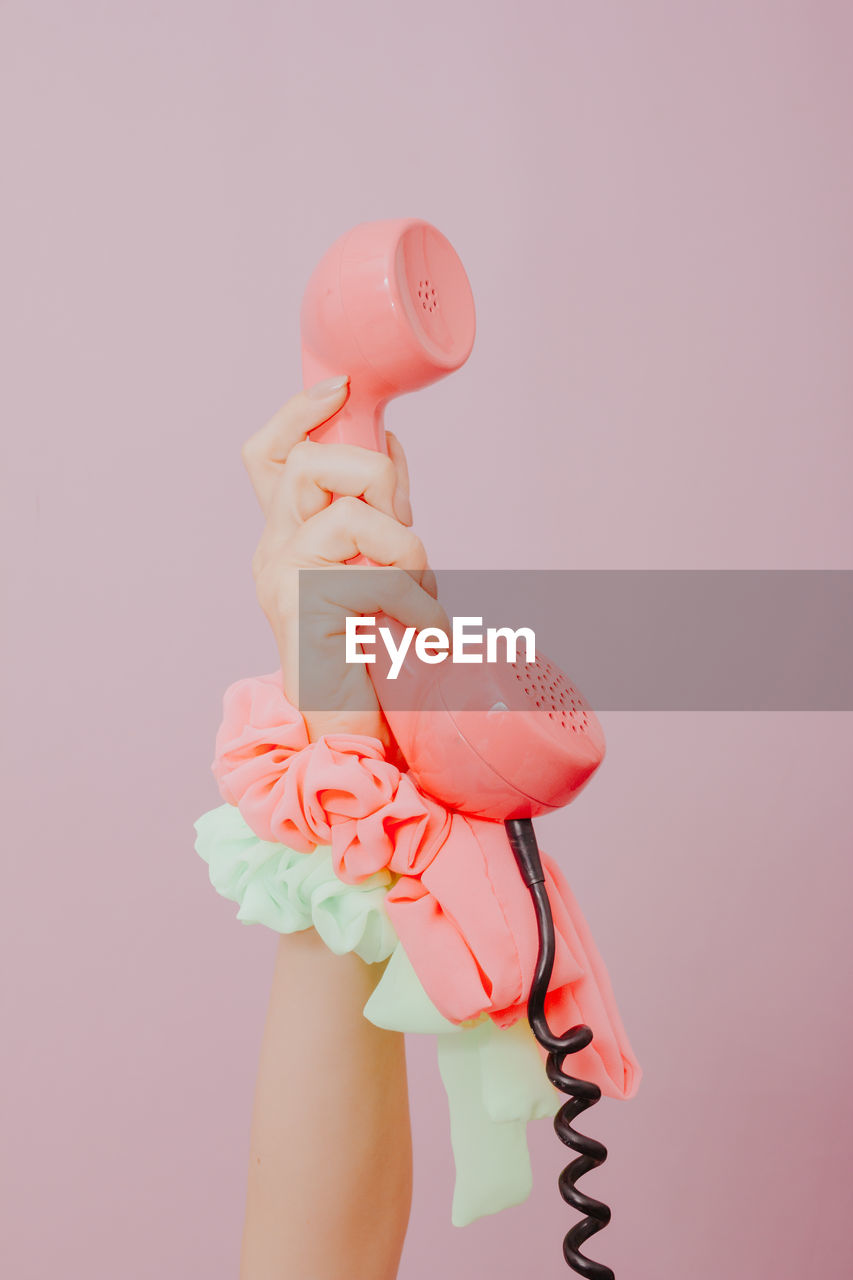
{"x":294,"y":479}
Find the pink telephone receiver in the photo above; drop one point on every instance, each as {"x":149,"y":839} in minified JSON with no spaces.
{"x":390,"y":304}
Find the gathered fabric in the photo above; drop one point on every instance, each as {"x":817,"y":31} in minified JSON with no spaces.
{"x":493,"y":1077}
{"x":458,"y":906}
{"x":339,"y":790}
{"x":333,"y":835}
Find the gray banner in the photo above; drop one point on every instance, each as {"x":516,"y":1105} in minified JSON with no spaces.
{"x":634,"y":640}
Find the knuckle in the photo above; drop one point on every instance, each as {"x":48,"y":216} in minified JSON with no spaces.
{"x":300,"y":453}
{"x":347,"y":509}
{"x":273,"y":589}
{"x":259,"y":560}
{"x":416,"y":552}
{"x":386,"y":472}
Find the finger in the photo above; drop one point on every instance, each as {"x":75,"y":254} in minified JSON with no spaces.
{"x":428,"y":582}
{"x":402,"y":500}
{"x":265,"y":451}
{"x":425,"y":578}
{"x":315,"y":472}
{"x":359,"y":589}
{"x":350,"y":527}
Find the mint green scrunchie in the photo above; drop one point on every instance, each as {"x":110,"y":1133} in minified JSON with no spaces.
{"x":494,"y":1077}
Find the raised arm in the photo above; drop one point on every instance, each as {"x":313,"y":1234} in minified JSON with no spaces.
{"x":330,"y":1165}
{"x":330,"y":1171}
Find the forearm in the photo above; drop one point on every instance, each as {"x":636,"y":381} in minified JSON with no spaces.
{"x":330,"y":1168}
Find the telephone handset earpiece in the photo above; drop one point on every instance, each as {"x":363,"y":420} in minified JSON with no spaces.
{"x":390,"y":304}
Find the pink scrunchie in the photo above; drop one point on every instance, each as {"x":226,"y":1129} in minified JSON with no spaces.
{"x":338,"y":791}
{"x":459,"y":906}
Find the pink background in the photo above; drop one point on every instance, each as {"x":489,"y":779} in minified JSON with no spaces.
{"x":654,"y":205}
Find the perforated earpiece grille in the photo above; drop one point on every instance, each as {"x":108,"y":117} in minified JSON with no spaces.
{"x":550,"y":691}
{"x":427,"y":295}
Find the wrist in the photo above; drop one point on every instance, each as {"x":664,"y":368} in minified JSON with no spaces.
{"x":370,"y":724}
{"x":362,"y":719}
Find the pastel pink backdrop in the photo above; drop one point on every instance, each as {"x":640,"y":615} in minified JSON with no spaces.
{"x":653,"y":203}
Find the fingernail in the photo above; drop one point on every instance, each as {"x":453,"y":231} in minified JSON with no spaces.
{"x":403,"y":507}
{"x":327,"y":388}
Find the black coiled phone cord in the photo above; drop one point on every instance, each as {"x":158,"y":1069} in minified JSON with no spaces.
{"x":583,"y":1093}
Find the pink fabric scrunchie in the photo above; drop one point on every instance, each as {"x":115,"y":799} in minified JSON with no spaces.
{"x":459,"y":906}
{"x":338,"y":791}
